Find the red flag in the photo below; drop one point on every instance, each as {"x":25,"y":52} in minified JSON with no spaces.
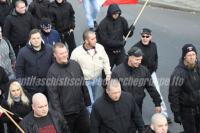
{"x":108,"y":2}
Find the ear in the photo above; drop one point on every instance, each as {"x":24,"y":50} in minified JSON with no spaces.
{"x":152,"y":127}
{"x":54,"y":54}
{"x":107,"y":91}
{"x":32,"y":107}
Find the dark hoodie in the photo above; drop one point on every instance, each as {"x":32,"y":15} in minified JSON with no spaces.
{"x":110,"y":116}
{"x":5,"y":9}
{"x":111,"y":31}
{"x":184,"y":89}
{"x":39,"y":9}
{"x":62,"y":16}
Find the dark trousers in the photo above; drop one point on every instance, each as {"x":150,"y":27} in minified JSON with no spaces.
{"x":1,"y":127}
{"x":190,"y":120}
{"x":116,"y":58}
{"x":70,"y":40}
{"x":79,"y":123}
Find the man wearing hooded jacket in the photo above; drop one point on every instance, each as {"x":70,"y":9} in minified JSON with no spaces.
{"x":17,"y":26}
{"x":63,"y":19}
{"x":33,"y":62}
{"x":184,"y":90}
{"x":111,"y":31}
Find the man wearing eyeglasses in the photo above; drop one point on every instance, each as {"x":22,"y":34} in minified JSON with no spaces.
{"x":150,"y":60}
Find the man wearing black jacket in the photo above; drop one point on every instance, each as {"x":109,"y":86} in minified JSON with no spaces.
{"x":150,"y":60}
{"x":17,"y":26}
{"x":135,"y":78}
{"x":184,"y":90}
{"x":115,"y":112}
{"x":33,"y":62}
{"x":43,"y":120}
{"x":67,"y":91}
{"x":111,"y":32}
{"x":63,"y":19}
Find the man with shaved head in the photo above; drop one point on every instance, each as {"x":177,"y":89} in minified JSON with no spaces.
{"x":43,"y":120}
{"x":158,"y":124}
{"x":116,"y":111}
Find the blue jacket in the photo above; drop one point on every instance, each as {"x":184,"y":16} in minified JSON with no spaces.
{"x":51,"y":38}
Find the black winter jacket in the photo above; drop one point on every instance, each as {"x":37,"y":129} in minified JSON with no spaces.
{"x":150,"y":57}
{"x":116,"y":116}
{"x":39,"y":9}
{"x":62,"y":16}
{"x":184,"y":89}
{"x":135,"y":80}
{"x":29,"y":124}
{"x":17,"y":27}
{"x":111,"y":32}
{"x":5,"y":9}
{"x":34,"y":64}
{"x":68,"y":93}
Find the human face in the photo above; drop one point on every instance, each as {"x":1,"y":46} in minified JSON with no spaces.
{"x":61,"y":55}
{"x":91,"y":40}
{"x":15,"y":90}
{"x":161,"y":126}
{"x":21,"y":8}
{"x":134,"y":61}
{"x":59,"y":1}
{"x":36,"y":40}
{"x":146,"y":38}
{"x":40,"y":107}
{"x":190,"y":58}
{"x":114,"y":92}
{"x":115,"y":16}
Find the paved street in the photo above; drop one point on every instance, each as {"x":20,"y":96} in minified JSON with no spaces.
{"x":171,"y":29}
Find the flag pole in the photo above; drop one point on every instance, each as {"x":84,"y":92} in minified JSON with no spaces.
{"x":22,"y":131}
{"x":140,"y":13}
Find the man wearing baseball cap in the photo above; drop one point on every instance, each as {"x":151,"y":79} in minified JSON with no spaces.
{"x":184,"y":90}
{"x":135,"y":78}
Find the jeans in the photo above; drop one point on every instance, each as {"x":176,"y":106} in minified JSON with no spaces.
{"x":163,"y":106}
{"x":93,"y":86}
{"x":91,"y":8}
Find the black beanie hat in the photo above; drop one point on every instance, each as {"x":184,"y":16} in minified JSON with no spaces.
{"x":45,"y":23}
{"x":187,"y":48}
{"x":135,"y":51}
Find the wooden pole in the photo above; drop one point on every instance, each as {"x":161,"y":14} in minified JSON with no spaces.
{"x":140,"y":13}
{"x":4,"y":111}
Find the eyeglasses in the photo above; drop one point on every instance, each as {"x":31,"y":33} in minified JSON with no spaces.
{"x":145,"y":36}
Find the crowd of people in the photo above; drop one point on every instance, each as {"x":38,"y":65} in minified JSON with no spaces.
{"x":47,"y":84}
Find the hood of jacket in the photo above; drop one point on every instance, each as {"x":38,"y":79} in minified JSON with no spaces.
{"x":113,"y":8}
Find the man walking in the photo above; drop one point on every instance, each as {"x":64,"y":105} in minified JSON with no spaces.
{"x":184,"y":90}
{"x":150,"y":60}
{"x":93,"y":59}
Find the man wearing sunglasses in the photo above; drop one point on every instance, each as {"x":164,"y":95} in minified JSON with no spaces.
{"x":150,"y":60}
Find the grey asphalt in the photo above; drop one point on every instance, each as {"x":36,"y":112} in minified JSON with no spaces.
{"x":171,"y":29}
{"x":183,"y":5}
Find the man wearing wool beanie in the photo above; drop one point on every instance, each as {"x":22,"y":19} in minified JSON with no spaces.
{"x":184,"y":90}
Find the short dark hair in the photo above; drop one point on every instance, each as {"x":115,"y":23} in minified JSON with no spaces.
{"x":34,"y":31}
{"x":18,"y":2}
{"x":58,"y":45}
{"x":112,"y":82}
{"x":86,"y":33}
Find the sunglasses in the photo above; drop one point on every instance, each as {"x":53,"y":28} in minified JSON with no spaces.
{"x":145,"y":36}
